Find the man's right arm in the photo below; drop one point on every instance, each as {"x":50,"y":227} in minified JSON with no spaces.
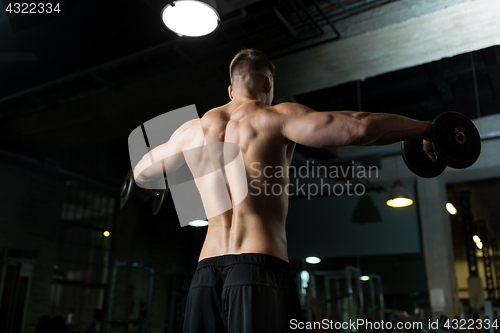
{"x":343,"y":128}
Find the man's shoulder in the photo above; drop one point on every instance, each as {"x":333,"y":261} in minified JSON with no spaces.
{"x":187,"y":131}
{"x":217,"y":113}
{"x":189,"y":125}
{"x":289,"y":108}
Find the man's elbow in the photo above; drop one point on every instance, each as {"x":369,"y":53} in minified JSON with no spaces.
{"x":142,"y":169}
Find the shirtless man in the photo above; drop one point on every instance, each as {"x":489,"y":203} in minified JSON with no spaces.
{"x":243,"y":283}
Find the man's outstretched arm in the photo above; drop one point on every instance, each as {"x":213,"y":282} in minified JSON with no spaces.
{"x":150,"y":167}
{"x":343,"y":128}
{"x":167,"y":156}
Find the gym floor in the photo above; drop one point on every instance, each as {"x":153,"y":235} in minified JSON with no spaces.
{"x":76,"y":83}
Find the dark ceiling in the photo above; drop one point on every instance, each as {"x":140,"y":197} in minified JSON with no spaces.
{"x":423,"y":92}
{"x":83,"y":35}
{"x":89,"y":47}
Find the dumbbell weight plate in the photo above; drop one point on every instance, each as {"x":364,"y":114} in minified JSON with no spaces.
{"x":129,"y":189}
{"x":418,"y":161}
{"x":158,"y":199}
{"x":126,"y":190}
{"x":456,"y":140}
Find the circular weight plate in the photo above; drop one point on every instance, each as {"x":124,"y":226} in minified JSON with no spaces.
{"x":126,"y":190}
{"x":417,"y":160}
{"x":158,"y":199}
{"x":456,"y":140}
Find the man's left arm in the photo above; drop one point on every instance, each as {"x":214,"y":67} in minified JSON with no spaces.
{"x":162,"y":159}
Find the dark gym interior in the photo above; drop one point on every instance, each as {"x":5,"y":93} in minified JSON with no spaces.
{"x":75,"y":84}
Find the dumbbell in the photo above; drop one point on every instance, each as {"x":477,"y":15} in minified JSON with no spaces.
{"x":456,"y":142}
{"x":131,"y":189}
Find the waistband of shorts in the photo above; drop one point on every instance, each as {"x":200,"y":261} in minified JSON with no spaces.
{"x":246,"y":258}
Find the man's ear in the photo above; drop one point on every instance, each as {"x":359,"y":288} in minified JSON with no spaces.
{"x":230,"y":92}
{"x":269,"y":83}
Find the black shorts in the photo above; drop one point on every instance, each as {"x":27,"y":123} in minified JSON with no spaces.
{"x":242,"y":293}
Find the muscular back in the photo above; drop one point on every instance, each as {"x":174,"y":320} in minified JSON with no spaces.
{"x":257,"y":223}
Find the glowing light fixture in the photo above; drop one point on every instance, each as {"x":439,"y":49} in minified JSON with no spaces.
{"x":313,"y":260}
{"x":478,"y":242}
{"x":191,"y":18}
{"x":304,"y":282}
{"x":451,"y":209}
{"x":106,"y":233}
{"x":364,"y":278}
{"x":399,"y":196}
{"x":198,"y":223}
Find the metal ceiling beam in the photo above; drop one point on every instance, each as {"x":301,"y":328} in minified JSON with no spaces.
{"x":457,"y":29}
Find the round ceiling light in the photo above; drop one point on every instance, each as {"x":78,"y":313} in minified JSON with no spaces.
{"x":399,"y":196}
{"x":198,"y":223}
{"x":313,"y":260}
{"x":191,"y":18}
